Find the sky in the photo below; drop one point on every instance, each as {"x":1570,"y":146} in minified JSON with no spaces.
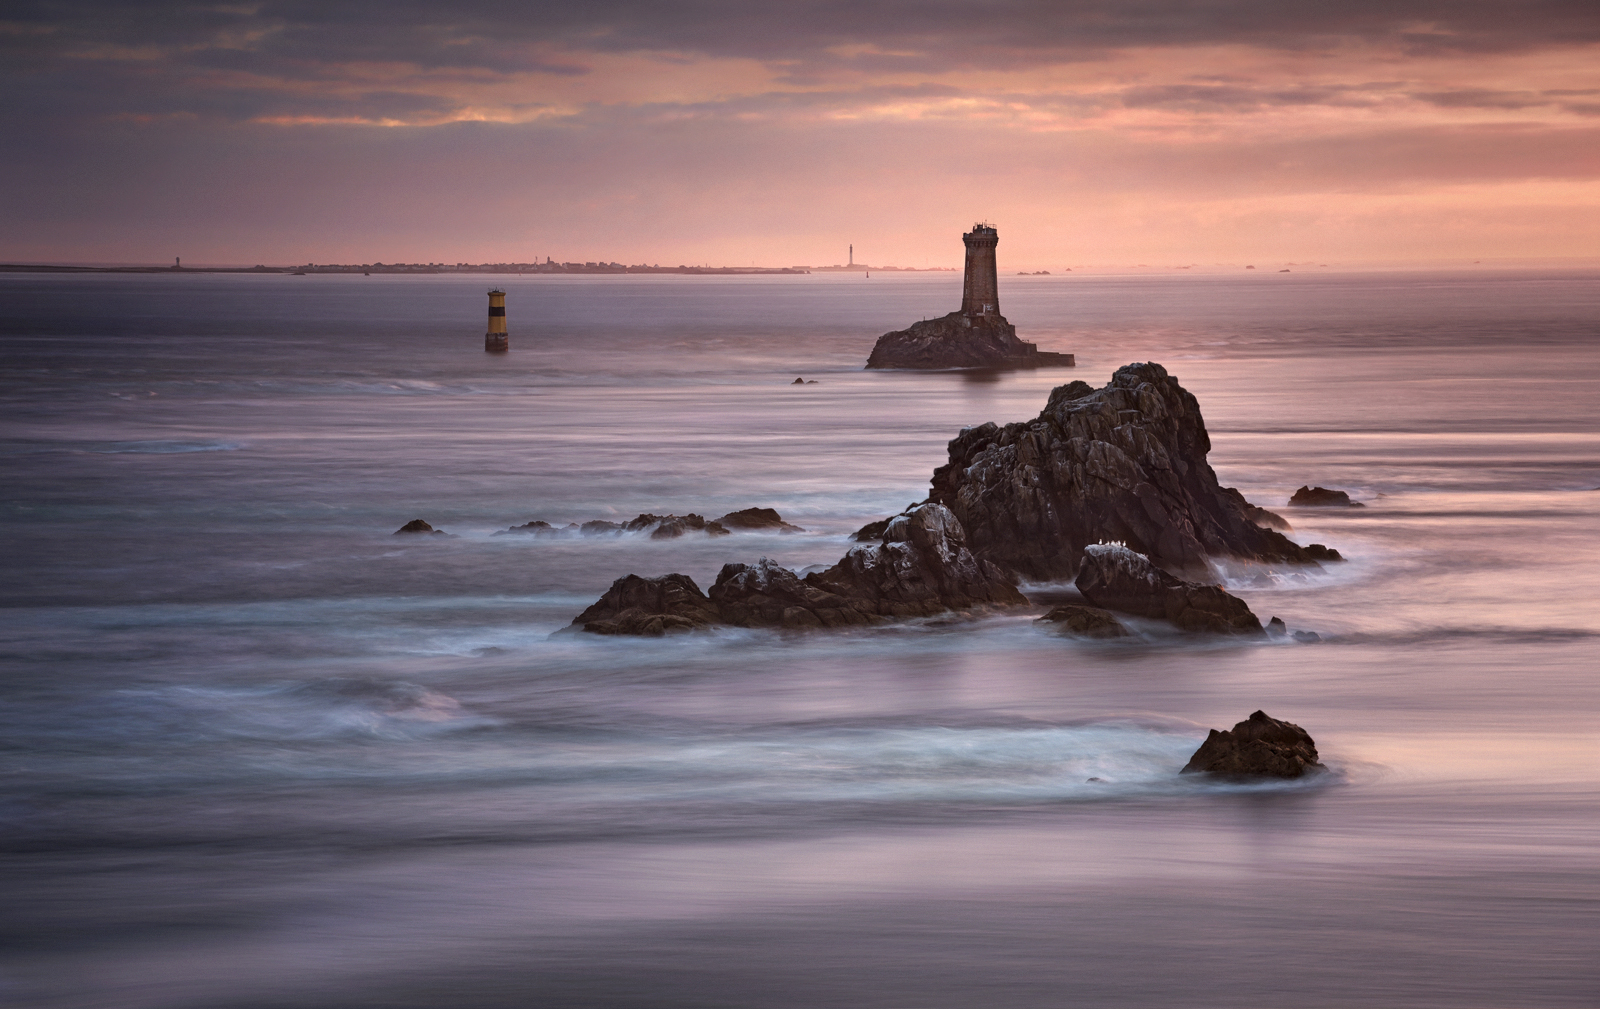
{"x":731,"y":132}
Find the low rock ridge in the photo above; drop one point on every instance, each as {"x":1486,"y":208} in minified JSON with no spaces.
{"x":1117,"y":578}
{"x":1322,"y":497}
{"x":663,"y":527}
{"x":920,"y":568}
{"x":1259,"y":746}
{"x":1124,"y":463}
{"x":959,"y":340}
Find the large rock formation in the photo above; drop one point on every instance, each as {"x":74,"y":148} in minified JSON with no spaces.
{"x":757,"y":518}
{"x":958,"y":340}
{"x":1124,"y":463}
{"x":1119,"y":579}
{"x":921,"y":567}
{"x":1259,"y":746}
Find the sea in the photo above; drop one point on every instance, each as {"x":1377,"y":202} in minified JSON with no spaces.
{"x":258,"y":752}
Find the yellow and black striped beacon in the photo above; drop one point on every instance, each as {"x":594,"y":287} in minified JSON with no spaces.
{"x":495,"y":341}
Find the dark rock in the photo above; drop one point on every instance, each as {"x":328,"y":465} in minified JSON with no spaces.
{"x":922,"y":567}
{"x":765,"y":594}
{"x":600,"y":527}
{"x":960,"y":340}
{"x":418,"y":526}
{"x":1322,"y":497}
{"x":649,"y":606}
{"x":668,"y":527}
{"x":872,"y":532}
{"x":1271,"y":520}
{"x":798,"y":381}
{"x":757,"y":518}
{"x":1086,"y":622}
{"x":1124,"y":463}
{"x":534,"y":528}
{"x":1276,"y":628}
{"x":1121,"y":579}
{"x":1259,"y":746}
{"x":1319,"y":552}
{"x":1307,"y":637}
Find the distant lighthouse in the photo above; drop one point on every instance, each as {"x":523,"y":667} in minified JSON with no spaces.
{"x":495,"y":341}
{"x":980,"y":291}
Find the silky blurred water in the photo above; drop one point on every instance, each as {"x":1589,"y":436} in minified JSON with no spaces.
{"x":259,"y":752}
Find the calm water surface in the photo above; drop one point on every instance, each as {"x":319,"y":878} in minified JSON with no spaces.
{"x":260,"y":753}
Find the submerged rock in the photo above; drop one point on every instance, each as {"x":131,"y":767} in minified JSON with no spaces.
{"x":1123,"y":580}
{"x":418,"y":526}
{"x":757,"y":518}
{"x":649,"y":606}
{"x":1322,"y":497}
{"x":1086,"y":622}
{"x":1259,"y":746}
{"x":1124,"y":463}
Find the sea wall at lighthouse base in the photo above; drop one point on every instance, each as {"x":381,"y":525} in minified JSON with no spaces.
{"x":961,"y":341}
{"x":496,"y":343}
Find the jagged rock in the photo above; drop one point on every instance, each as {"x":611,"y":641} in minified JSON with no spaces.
{"x":959,"y":340}
{"x":419,"y":526}
{"x":537,"y":527}
{"x":765,"y":594}
{"x":1086,"y":621}
{"x":649,"y":606}
{"x":872,"y":531}
{"x":1318,"y":552}
{"x":1121,"y":579}
{"x":1307,"y":637}
{"x":1276,"y":628}
{"x":1125,"y":463}
{"x":1259,"y":746}
{"x":1271,"y":520}
{"x":757,"y":518}
{"x":1322,"y":497}
{"x":600,"y":527}
{"x":922,"y":567}
{"x":669,"y":527}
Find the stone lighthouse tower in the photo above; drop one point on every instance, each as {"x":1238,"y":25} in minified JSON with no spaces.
{"x":495,"y":340}
{"x":980,"y":294}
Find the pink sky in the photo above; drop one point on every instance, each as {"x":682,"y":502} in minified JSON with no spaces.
{"x":1168,"y":131}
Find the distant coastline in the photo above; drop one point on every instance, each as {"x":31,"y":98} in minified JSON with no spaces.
{"x":488,"y":268}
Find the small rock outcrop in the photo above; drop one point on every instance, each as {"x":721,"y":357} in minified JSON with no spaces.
{"x":921,"y":568}
{"x":649,"y":607}
{"x":416,"y":526}
{"x":757,"y":518}
{"x":1124,"y":463}
{"x":1086,"y":622}
{"x":1259,"y":746}
{"x":1120,"y":579}
{"x":1322,"y":497}
{"x":959,"y":340}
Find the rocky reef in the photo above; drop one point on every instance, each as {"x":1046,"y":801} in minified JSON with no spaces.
{"x":1108,"y":485}
{"x":419,"y":527}
{"x":1120,"y":579}
{"x":921,"y":567}
{"x":663,"y":527}
{"x":1260,"y":746}
{"x":960,"y":340}
{"x":1123,"y":463}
